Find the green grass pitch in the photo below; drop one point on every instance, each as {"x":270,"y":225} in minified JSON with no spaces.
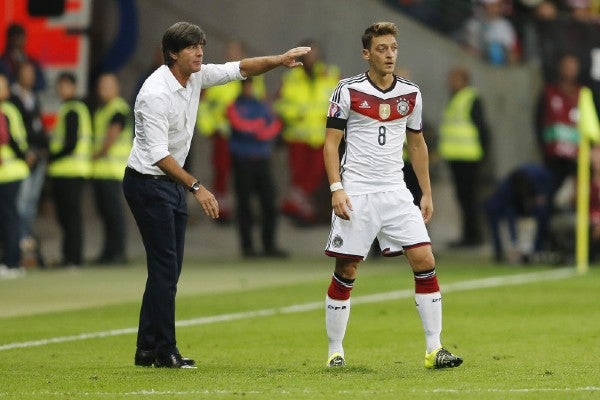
{"x":525,"y":333}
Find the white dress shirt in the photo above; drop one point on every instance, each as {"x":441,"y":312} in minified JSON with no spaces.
{"x":165,"y":114}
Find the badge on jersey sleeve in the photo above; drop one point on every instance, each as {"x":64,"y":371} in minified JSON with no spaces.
{"x":384,"y":111}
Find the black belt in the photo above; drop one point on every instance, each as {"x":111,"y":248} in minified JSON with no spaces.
{"x":132,"y":172}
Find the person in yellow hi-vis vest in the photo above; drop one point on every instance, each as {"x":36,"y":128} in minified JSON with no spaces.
{"x":212,"y":122}
{"x":13,"y":170}
{"x":70,"y":166}
{"x":463,"y":142}
{"x":112,"y":141}
{"x":302,"y":105}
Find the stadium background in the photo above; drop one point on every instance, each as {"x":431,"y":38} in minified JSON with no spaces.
{"x":123,"y":35}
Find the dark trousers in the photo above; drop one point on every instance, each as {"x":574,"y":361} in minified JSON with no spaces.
{"x":108,"y":194}
{"x":253,"y":177}
{"x":67,"y":195}
{"x":160,"y":211}
{"x":10,"y":223}
{"x":465,"y":175}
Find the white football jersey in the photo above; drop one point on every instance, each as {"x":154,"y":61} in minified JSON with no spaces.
{"x":375,"y":123}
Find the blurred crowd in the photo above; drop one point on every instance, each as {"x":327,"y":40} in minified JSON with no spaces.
{"x":562,"y":38}
{"x":88,"y":144}
{"x":90,"y":139}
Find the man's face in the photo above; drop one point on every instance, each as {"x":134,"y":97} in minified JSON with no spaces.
{"x":4,"y":89}
{"x":27,"y":75}
{"x":65,"y":89}
{"x":382,"y":54}
{"x":189,"y":59}
{"x":569,"y":68}
{"x":108,"y":87}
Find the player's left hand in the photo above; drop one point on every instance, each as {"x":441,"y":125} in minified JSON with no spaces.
{"x":290,"y":57}
{"x":426,"y":208}
{"x":341,"y":204}
{"x":208,"y":202}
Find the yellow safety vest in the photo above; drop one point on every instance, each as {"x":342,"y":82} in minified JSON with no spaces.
{"x":112,"y":165}
{"x":459,"y":137}
{"x":212,"y":110}
{"x":303,"y":103}
{"x":78,"y":163}
{"x":13,"y":168}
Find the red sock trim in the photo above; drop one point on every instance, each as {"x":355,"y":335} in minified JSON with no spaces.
{"x":427,"y":285}
{"x":339,"y":290}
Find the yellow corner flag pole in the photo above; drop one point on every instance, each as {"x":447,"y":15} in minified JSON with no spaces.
{"x":589,"y":131}
{"x":583,"y":206}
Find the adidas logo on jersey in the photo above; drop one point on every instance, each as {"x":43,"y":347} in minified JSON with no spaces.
{"x":364,"y":104}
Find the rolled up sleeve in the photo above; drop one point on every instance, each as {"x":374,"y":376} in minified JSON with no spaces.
{"x":218,"y":74}
{"x":153,"y":111}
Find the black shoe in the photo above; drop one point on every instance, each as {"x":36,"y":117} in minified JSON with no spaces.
{"x":187,"y":361}
{"x":147,"y":358}
{"x":173,"y":360}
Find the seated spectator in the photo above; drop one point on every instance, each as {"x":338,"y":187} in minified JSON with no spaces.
{"x":525,"y":192}
{"x":489,"y":34}
{"x":547,"y":39}
{"x":584,"y":10}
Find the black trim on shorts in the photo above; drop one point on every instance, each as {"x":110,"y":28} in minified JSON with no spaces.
{"x":346,"y":256}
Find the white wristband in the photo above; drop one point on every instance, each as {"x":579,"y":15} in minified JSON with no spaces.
{"x":335,"y":186}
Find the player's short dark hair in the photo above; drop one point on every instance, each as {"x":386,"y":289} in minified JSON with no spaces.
{"x":67,"y":76}
{"x":179,"y":36}
{"x":378,"y":29}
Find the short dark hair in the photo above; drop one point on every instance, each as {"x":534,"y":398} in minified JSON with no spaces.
{"x":67,"y":76}
{"x":15,"y":30}
{"x":378,"y":29}
{"x":179,"y":36}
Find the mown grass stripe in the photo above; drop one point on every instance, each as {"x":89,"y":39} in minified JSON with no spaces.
{"x":474,"y":284}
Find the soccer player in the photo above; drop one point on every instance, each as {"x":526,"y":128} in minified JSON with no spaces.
{"x":374,"y":112}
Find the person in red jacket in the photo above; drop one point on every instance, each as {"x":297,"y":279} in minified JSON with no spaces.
{"x":253,"y":129}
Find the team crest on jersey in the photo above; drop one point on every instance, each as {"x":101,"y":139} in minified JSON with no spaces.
{"x":384,"y":111}
{"x":403,"y":107}
{"x":337,"y":241}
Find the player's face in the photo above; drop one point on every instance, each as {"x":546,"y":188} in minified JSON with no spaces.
{"x":189,"y":59}
{"x":382,"y":54}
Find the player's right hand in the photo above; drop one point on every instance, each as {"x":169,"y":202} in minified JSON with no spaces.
{"x":341,"y":204}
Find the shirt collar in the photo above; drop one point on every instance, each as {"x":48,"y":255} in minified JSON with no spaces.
{"x":172,"y":82}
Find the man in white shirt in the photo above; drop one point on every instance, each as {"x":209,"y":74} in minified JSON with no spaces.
{"x":155,"y":183}
{"x":374,"y":112}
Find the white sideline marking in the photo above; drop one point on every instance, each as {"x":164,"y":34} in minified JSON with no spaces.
{"x":494,"y":281}
{"x":305,"y":391}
